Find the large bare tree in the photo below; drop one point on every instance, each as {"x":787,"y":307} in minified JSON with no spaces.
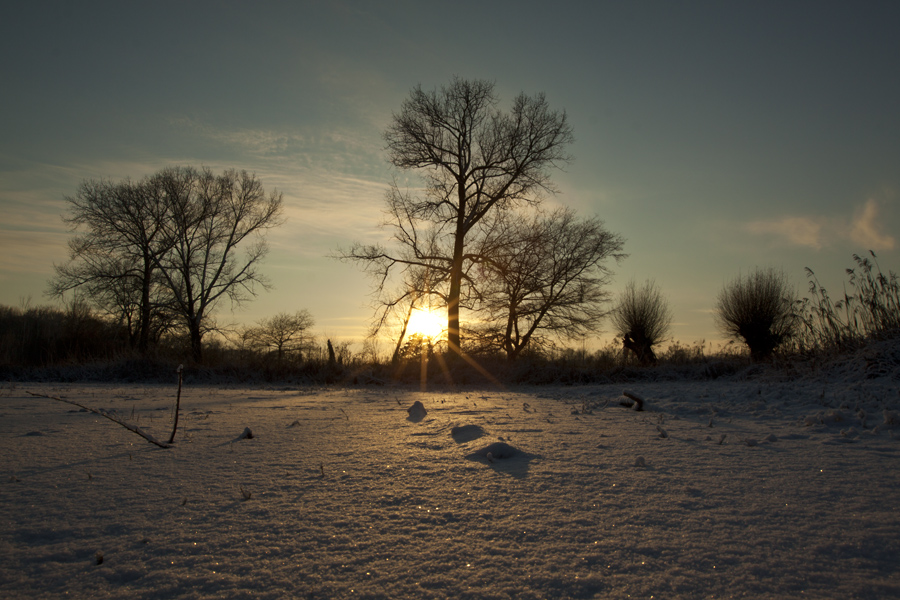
{"x":473,"y":159}
{"x":214,"y":227}
{"x":171,"y":245}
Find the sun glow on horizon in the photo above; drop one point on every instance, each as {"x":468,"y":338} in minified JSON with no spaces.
{"x":428,"y":323}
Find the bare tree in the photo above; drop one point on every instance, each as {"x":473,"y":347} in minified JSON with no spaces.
{"x":285,"y":333}
{"x":642,"y":318}
{"x":114,"y":259}
{"x":758,"y":310}
{"x":542,"y":275}
{"x":474,"y":159}
{"x":214,"y":229}
{"x":168,"y":245}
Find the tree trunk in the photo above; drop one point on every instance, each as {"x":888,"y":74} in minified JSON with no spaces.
{"x":196,"y":340}
{"x":641,"y":347}
{"x":144,"y":333}
{"x":456,"y":265}
{"x":453,"y":340}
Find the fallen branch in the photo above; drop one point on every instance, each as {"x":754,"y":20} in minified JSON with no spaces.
{"x":638,"y":401}
{"x":111,"y":417}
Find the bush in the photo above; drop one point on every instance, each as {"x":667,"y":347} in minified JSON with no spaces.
{"x":758,"y":310}
{"x":642,"y":318}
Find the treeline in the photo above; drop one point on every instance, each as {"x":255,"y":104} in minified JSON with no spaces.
{"x":74,"y":343}
{"x":77,"y":343}
{"x":40,"y":336}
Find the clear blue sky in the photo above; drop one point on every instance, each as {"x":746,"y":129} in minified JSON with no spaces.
{"x":715,"y":136}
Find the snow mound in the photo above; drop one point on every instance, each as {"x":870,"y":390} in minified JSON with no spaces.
{"x":416,"y":412}
{"x":497,"y":450}
{"x":245,"y":435}
{"x":466,"y":433}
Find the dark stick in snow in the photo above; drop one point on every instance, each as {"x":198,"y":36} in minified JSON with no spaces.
{"x":180,"y":371}
{"x":638,"y":401}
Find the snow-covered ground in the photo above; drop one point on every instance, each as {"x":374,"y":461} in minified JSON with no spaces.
{"x":747,"y":488}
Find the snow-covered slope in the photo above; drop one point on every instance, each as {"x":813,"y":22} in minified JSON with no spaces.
{"x":761,"y":488}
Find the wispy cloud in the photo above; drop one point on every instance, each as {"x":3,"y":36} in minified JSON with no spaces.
{"x":253,"y":141}
{"x":864,"y":228}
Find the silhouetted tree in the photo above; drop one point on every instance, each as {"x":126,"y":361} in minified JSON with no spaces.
{"x":168,"y":247}
{"x":114,"y":256}
{"x":642,"y":318}
{"x":758,"y":310}
{"x":213,"y":228}
{"x":542,"y":275}
{"x":474,"y":159}
{"x":285,"y":333}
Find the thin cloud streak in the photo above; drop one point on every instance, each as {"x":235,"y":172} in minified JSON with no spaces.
{"x":31,"y":252}
{"x":797,"y":231}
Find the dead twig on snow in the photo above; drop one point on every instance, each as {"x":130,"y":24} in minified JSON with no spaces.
{"x":111,"y":417}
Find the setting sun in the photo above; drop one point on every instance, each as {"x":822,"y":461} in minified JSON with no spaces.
{"x":428,"y":323}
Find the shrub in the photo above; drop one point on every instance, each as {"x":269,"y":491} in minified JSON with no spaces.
{"x":758,"y":310}
{"x":642,"y":318}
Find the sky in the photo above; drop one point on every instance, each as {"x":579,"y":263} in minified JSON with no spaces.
{"x":715,"y":137}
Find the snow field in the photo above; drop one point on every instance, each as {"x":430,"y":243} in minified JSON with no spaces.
{"x":341,"y":494}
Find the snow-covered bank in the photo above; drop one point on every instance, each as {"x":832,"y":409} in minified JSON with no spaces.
{"x":759,"y":488}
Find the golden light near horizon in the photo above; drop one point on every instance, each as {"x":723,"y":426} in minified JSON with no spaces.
{"x":428,"y":323}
